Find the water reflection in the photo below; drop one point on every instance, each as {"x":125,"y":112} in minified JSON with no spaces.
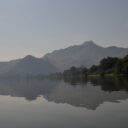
{"x":88,"y":93}
{"x":106,"y":83}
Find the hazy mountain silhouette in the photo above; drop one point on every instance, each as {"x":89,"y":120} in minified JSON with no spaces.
{"x":26,"y":65}
{"x":86,"y":54}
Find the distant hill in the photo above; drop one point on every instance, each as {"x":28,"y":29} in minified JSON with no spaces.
{"x":26,"y":65}
{"x":86,"y":54}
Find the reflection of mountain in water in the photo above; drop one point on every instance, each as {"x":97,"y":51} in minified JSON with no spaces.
{"x":89,"y":94}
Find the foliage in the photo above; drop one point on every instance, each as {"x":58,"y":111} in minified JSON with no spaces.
{"x":111,"y":65}
{"x":107,"y":66}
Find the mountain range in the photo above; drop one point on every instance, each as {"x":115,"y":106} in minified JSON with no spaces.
{"x":86,"y":54}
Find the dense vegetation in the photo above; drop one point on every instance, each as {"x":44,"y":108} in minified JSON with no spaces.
{"x":107,"y":66}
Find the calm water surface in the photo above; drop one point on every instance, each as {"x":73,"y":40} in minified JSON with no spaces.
{"x":69,"y":103}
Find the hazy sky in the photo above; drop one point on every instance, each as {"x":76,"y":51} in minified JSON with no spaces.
{"x":40,"y":26}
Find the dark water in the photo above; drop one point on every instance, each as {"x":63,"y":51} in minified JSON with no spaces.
{"x":69,"y":103}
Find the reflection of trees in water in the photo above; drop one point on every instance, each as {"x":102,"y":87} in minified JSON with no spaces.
{"x":110,"y":83}
{"x":106,"y":83}
{"x":76,"y":80}
{"x":79,"y":92}
{"x":90,"y":92}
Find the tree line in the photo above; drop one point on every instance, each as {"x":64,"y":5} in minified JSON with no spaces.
{"x":107,"y":66}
